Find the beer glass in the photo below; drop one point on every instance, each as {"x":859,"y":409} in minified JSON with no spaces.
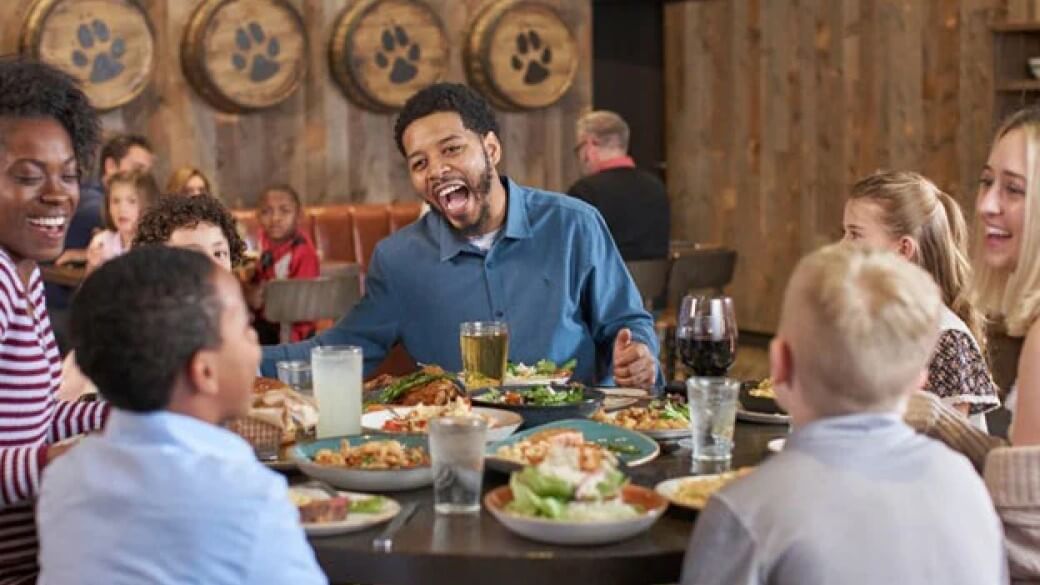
{"x":485,"y":349}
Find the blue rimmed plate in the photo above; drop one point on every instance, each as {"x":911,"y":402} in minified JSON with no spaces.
{"x":365,"y":480}
{"x":631,"y":447}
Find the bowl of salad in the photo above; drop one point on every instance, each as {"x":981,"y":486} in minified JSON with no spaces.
{"x":542,"y":404}
{"x":575,"y":496}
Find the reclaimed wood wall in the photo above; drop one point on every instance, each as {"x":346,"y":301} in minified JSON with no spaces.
{"x":775,"y":107}
{"x":317,"y":140}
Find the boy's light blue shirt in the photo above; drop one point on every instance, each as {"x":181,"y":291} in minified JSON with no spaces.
{"x":554,"y":275}
{"x":163,"y":498}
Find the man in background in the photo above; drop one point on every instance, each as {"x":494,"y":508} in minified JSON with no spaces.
{"x":633,"y":202}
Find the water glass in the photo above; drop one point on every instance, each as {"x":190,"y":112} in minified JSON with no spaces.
{"x":457,"y":452}
{"x":485,"y":349}
{"x":713,"y":413}
{"x":336,"y":371}
{"x":296,"y":374}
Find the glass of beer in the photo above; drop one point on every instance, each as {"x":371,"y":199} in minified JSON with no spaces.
{"x":485,"y":348}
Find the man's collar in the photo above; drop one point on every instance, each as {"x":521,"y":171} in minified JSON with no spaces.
{"x":618,"y":162}
{"x":517,"y":224}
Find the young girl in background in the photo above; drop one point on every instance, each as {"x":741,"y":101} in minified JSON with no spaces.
{"x":285,"y":252}
{"x":128,"y":195}
{"x":908,"y":214}
{"x":188,"y":182}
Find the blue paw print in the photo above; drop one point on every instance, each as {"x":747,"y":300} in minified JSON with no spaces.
{"x":531,"y":58}
{"x":252,"y":55}
{"x":99,"y":51}
{"x":394,"y":51}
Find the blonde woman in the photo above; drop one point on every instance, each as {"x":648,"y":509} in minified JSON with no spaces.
{"x":1007,"y":285}
{"x":189,"y":182}
{"x":906,"y":213}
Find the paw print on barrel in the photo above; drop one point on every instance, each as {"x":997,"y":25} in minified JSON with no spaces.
{"x":399,"y":54}
{"x":532,"y":58}
{"x":99,"y":51}
{"x":253,"y":55}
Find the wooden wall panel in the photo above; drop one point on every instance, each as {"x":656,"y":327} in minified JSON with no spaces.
{"x":318,"y":141}
{"x":775,"y":107}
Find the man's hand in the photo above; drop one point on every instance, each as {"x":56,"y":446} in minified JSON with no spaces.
{"x":634,"y":364}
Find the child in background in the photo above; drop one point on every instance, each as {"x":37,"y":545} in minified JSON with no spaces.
{"x":285,"y":252}
{"x":198,"y":223}
{"x":188,"y":182}
{"x":907,"y":214}
{"x":855,"y":496}
{"x":128,"y":195}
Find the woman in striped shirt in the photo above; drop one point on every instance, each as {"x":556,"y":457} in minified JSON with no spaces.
{"x":48,"y":133}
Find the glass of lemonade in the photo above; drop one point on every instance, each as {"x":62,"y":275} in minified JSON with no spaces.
{"x":457,"y":454}
{"x":485,"y":349}
{"x":713,"y":412}
{"x":336,"y":375}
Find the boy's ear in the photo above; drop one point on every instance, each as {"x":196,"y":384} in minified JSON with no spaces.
{"x":781,"y":362}
{"x":202,"y":373}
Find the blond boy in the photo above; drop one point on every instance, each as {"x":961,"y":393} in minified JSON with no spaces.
{"x":856,"y":497}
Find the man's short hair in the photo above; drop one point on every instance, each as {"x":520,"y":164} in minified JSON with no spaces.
{"x":138,"y":320}
{"x":862,"y":325}
{"x":31,"y":89}
{"x":606,"y":128}
{"x":117,"y":147}
{"x":476,"y":113}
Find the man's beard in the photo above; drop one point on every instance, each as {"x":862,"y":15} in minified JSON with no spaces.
{"x":482,"y":192}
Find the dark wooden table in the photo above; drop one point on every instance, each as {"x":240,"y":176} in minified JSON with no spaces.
{"x":435,"y":550}
{"x":67,"y":275}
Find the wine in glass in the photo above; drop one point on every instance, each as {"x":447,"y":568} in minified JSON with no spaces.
{"x":706,"y":334}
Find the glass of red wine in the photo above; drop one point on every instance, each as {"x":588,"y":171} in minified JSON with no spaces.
{"x":706,"y":334}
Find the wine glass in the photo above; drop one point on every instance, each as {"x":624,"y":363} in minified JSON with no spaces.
{"x":706,"y":334}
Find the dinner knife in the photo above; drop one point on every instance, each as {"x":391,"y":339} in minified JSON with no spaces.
{"x":385,"y":541}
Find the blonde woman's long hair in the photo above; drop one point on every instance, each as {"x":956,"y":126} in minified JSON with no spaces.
{"x":912,"y":206}
{"x":1014,"y":293}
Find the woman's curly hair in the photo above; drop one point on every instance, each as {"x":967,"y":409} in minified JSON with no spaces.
{"x":31,"y":89}
{"x":174,"y":212}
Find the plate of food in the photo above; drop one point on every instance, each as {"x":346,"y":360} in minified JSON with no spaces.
{"x":414,"y":420}
{"x":325,"y":512}
{"x":540,"y":373}
{"x":692,"y":492}
{"x":661,"y":420}
{"x":430,"y":385}
{"x":278,"y":417}
{"x":574,"y":496}
{"x":542,"y":404}
{"x":531,"y":446}
{"x":374,"y":463}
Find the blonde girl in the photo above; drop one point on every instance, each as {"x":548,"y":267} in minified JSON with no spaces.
{"x":128,"y":194}
{"x":906,"y":213}
{"x":189,"y":182}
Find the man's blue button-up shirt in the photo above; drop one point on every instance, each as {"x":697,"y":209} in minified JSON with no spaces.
{"x":553,"y":275}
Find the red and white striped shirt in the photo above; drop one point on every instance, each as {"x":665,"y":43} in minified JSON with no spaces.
{"x":30,"y":416}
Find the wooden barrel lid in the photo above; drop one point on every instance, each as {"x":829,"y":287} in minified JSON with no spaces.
{"x":383,"y":51}
{"x":245,"y":54}
{"x":521,"y":55}
{"x":106,"y":44}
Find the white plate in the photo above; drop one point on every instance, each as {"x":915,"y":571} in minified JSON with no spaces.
{"x":501,"y":423}
{"x":763,"y":418}
{"x":776,"y":445}
{"x":670,"y":487}
{"x":354,"y":522}
{"x":573,"y":533}
{"x":534,"y":380}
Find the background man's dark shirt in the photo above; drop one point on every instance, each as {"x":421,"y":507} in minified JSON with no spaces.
{"x":635,"y":206}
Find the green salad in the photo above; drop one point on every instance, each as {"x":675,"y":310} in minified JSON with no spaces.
{"x":559,"y":489}
{"x":541,"y":368}
{"x":372,"y":505}
{"x":537,"y":396}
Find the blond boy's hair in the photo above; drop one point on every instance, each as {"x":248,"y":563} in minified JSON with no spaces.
{"x":862,"y":325}
{"x":1014,"y":293}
